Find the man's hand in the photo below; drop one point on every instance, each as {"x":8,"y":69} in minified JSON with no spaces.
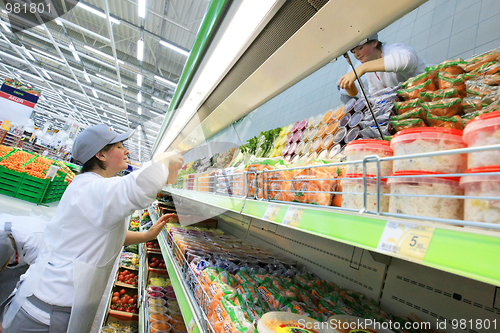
{"x":347,"y":81}
{"x":153,"y":232}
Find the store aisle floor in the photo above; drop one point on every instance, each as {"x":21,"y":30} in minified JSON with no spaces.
{"x":18,"y":207}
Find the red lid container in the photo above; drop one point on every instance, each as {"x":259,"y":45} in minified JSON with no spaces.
{"x":370,"y":144}
{"x":437,"y":133}
{"x":481,"y":178}
{"x":485,"y":122}
{"x":454,"y":181}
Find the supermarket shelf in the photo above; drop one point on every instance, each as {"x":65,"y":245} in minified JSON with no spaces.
{"x":141,"y":287}
{"x":467,"y":253}
{"x":189,"y":308}
{"x":121,"y":284}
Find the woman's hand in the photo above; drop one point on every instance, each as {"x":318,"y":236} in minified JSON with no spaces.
{"x":153,"y":232}
{"x":175,"y":164}
{"x":347,"y":81}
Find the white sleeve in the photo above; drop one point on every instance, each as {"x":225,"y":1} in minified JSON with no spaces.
{"x":401,"y":58}
{"x":108,"y":200}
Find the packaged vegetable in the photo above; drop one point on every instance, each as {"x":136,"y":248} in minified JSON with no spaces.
{"x":426,"y":140}
{"x":445,"y":108}
{"x":492,"y":80}
{"x":481,"y":210}
{"x":415,"y":81}
{"x":452,"y":66}
{"x":406,"y":106}
{"x":414,"y":92}
{"x":469,"y":104}
{"x":430,"y":96}
{"x":446,"y":122}
{"x":359,"y":149}
{"x":483,"y":130}
{"x":415,"y":113}
{"x":447,"y":208}
{"x":337,"y":197}
{"x":480,"y":60}
{"x":407,"y":123}
{"x":478,"y":88}
{"x":446,"y":81}
{"x":353,"y":193}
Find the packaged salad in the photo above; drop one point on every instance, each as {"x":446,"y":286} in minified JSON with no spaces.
{"x":446,"y":81}
{"x":414,"y":92}
{"x":353,"y":193}
{"x":478,"y":61}
{"x":452,"y":66}
{"x":445,"y":122}
{"x":445,"y":107}
{"x":431,"y":96}
{"x":359,"y":149}
{"x":483,"y":130}
{"x":406,"y":106}
{"x":447,"y":208}
{"x":415,"y":81}
{"x":425,"y":140}
{"x":415,"y":113}
{"x":400,"y":125}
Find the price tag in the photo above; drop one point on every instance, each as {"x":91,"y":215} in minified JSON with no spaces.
{"x":271,"y":212}
{"x":293,"y":216}
{"x":191,"y":325}
{"x":406,"y":239}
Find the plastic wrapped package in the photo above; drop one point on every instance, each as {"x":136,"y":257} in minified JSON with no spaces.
{"x":453,"y":66}
{"x":445,"y":107}
{"x":478,"y":61}
{"x":414,"y":92}
{"x":445,"y":122}
{"x":483,"y":130}
{"x":372,"y":131}
{"x":446,"y":81}
{"x":329,"y":116}
{"x":492,"y":80}
{"x":280,"y":185}
{"x":406,"y":106}
{"x":479,"y":88}
{"x":481,"y":210}
{"x":415,"y":113}
{"x":415,"y":81}
{"x":431,"y":96}
{"x":469,"y":104}
{"x":349,"y":106}
{"x":425,"y":140}
{"x":352,"y":196}
{"x":332,"y":127}
{"x":322,"y":130}
{"x":447,"y":208}
{"x":359,"y":149}
{"x":401,"y":125}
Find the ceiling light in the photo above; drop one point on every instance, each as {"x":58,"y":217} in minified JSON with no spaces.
{"x":139,"y":110}
{"x":159,"y":78}
{"x":139,"y":97}
{"x":110,"y":80}
{"x":173,"y":47}
{"x":59,"y":22}
{"x":46,"y":74}
{"x":96,"y":12}
{"x":61,"y":92}
{"x":142,"y":8}
{"x":105,"y":55}
{"x":139,"y":80}
{"x":160,"y":100}
{"x":87,"y":77}
{"x":157,"y":113}
{"x":115,"y":107}
{"x":47,"y":54}
{"x":32,"y":75}
{"x":29,"y":54}
{"x":74,"y":92}
{"x":105,"y":115}
{"x":95,"y":93}
{"x":72,"y":48}
{"x":5,"y":27}
{"x":140,"y":49}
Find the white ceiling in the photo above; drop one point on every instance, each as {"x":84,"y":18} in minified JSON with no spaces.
{"x":69,"y":94}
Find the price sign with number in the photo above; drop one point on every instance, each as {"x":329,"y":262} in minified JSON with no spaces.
{"x":406,"y":239}
{"x":293,"y":216}
{"x":271,"y":212}
{"x":191,"y":326}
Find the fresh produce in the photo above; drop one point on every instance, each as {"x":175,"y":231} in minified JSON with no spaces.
{"x":152,"y":245}
{"x":261,"y":145}
{"x":127,"y":277}
{"x":157,"y":263}
{"x":121,"y":301}
{"x":134,"y":225}
{"x":133,"y":248}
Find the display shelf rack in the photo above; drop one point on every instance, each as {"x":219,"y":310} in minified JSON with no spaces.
{"x":189,"y":307}
{"x":460,"y":251}
{"x":141,"y":285}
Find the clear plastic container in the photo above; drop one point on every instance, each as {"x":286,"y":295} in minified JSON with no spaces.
{"x":281,"y":322}
{"x":317,"y":144}
{"x":156,"y":301}
{"x":332,"y":127}
{"x":344,"y":121}
{"x":340,"y":111}
{"x":292,"y":149}
{"x":356,"y":119}
{"x":349,"y":106}
{"x":359,"y":149}
{"x":107,"y":329}
{"x":483,"y":130}
{"x":425,"y":140}
{"x":352,"y":135}
{"x":351,"y":188}
{"x":360,"y":105}
{"x":160,"y":326}
{"x":305,"y":135}
{"x":482,"y":210}
{"x":323,"y":154}
{"x":296,"y":136}
{"x":157,"y":309}
{"x":339,"y":135}
{"x":300,"y":148}
{"x":310,"y":122}
{"x":322,"y":130}
{"x":313,"y":133}
{"x":312,"y":155}
{"x":447,"y":208}
{"x":295,"y":127}
{"x":295,"y":158}
{"x":307,"y":147}
{"x":158,"y":316}
{"x":329,"y":116}
{"x":302,"y":125}
{"x":289,"y":139}
{"x":334,"y":151}
{"x":327,"y":142}
{"x":318,"y":120}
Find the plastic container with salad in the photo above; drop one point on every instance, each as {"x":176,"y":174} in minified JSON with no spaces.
{"x":483,"y":130}
{"x":359,"y":149}
{"x":352,"y":196}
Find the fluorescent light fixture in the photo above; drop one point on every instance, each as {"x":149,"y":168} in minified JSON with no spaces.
{"x":160,"y":100}
{"x":173,"y":47}
{"x":157,"y":113}
{"x":61,"y":92}
{"x":105,"y":55}
{"x":67,"y":99}
{"x":4,"y":11}
{"x":96,"y":12}
{"x":73,"y":91}
{"x":139,"y":97}
{"x":5,"y":27}
{"x":59,"y":22}
{"x":159,"y":78}
{"x":72,"y":48}
{"x":139,"y":110}
{"x":29,"y":74}
{"x":87,"y":77}
{"x":115,"y":107}
{"x":29,"y":54}
{"x":140,"y":50}
{"x":105,"y":115}
{"x":142,"y":8}
{"x":95,"y":93}
{"x":46,"y":74}
{"x":47,"y":54}
{"x":139,"y":80}
{"x":110,"y":80}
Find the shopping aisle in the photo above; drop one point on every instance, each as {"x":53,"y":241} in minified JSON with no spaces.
{"x":18,"y":207}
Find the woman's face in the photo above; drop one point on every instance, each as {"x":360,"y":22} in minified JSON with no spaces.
{"x":365,"y":52}
{"x":116,"y":158}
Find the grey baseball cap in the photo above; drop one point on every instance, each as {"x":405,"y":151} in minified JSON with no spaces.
{"x":93,"y":139}
{"x":364,"y":41}
{"x":6,"y":249}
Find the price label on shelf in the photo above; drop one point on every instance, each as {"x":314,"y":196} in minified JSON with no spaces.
{"x":191,"y":325}
{"x":293,"y":216}
{"x":406,"y":239}
{"x":271,"y":212}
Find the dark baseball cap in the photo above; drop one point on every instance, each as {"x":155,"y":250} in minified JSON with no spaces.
{"x":93,"y":139}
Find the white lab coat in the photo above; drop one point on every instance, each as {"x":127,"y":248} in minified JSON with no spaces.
{"x":82,"y":241}
{"x":401,"y":63}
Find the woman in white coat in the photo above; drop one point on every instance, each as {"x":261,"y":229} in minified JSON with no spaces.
{"x":62,"y":290}
{"x":384,"y":65}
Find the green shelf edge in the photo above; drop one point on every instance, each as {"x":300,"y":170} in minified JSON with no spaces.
{"x":458,"y":252}
{"x":187,"y":314}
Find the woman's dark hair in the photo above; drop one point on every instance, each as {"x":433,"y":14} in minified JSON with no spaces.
{"x":379,"y":45}
{"x":94,"y":161}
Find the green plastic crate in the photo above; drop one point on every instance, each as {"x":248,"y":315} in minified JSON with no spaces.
{"x":29,"y":198}
{"x":9,"y":192}
{"x":11,"y":174}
